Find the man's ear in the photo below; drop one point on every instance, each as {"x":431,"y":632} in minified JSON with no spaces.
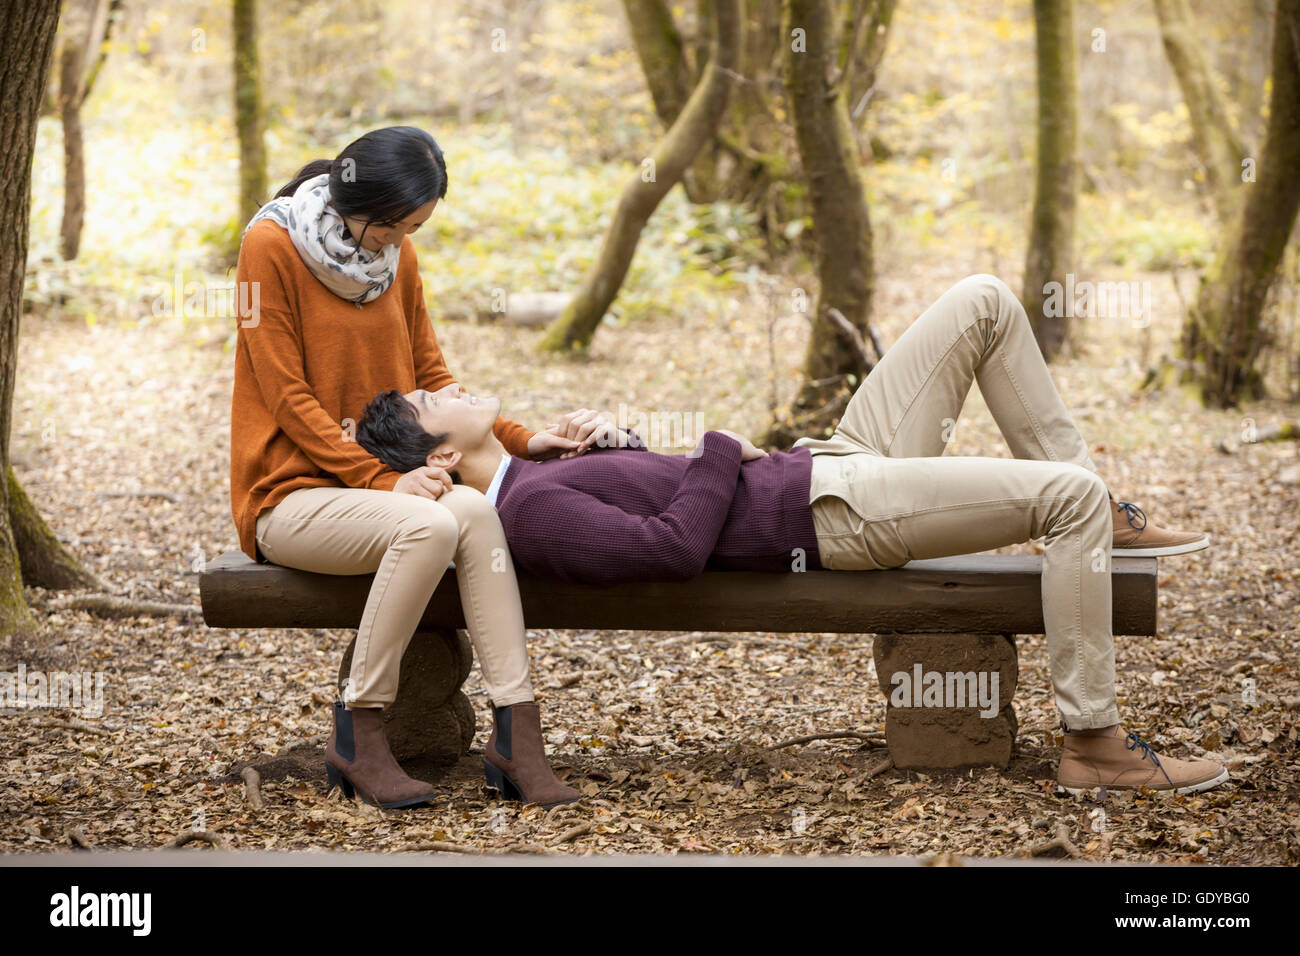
{"x":441,"y":458}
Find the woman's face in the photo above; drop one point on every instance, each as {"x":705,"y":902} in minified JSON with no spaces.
{"x":376,"y":235}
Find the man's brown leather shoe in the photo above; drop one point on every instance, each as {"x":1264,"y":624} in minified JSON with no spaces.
{"x":357,"y":759}
{"x":1126,"y":762}
{"x":515,"y":758}
{"x":1136,"y":537}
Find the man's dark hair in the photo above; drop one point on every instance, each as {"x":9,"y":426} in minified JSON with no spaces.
{"x":390,"y":430}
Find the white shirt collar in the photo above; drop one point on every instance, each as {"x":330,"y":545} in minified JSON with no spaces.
{"x":495,"y":487}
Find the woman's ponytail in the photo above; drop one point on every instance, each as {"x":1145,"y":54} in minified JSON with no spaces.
{"x":313,"y":169}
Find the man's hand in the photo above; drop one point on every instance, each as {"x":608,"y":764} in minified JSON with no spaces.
{"x":427,"y":481}
{"x":544,"y":445}
{"x":747,"y":450}
{"x":587,"y":427}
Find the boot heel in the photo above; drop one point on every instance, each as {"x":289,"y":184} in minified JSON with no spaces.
{"x":337,"y":779}
{"x":498,"y":781}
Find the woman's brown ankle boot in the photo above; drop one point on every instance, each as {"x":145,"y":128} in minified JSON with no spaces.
{"x":515,"y":758}
{"x":357,"y":759}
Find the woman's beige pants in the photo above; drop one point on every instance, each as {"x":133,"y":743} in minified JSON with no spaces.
{"x":407,"y":542}
{"x":882,"y":495}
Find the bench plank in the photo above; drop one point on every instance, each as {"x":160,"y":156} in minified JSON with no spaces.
{"x":990,"y":593}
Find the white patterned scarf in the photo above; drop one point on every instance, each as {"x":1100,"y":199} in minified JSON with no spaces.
{"x":342,"y":265}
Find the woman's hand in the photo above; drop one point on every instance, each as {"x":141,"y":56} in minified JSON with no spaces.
{"x":548,"y":444}
{"x":427,"y":481}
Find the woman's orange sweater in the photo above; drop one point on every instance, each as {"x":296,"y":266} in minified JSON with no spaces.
{"x":306,"y":364}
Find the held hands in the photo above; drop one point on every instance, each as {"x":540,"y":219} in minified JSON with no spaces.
{"x":748,"y":452}
{"x":427,"y":481}
{"x":579,"y":431}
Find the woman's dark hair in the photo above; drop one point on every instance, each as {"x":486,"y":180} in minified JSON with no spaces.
{"x":391,"y":431}
{"x":382,"y":176}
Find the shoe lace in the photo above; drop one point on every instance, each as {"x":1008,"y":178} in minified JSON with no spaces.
{"x":1134,"y":742}
{"x":1131,"y":511}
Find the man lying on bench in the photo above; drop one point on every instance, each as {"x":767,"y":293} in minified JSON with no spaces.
{"x":876,"y":494}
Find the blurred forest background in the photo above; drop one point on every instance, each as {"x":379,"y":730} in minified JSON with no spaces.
{"x":751,"y":297}
{"x":545,"y":110}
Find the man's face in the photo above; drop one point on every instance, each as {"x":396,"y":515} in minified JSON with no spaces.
{"x":464,"y":418}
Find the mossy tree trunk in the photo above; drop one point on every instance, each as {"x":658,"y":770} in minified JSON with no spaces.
{"x":1222,"y":336}
{"x":85,"y":28}
{"x":756,"y":151}
{"x":1247,"y":75}
{"x":841,"y":224}
{"x":25,"y":57}
{"x":249,"y":118}
{"x":1050,"y":255}
{"x":1215,"y":140}
{"x":751,"y":158}
{"x":662,"y":170}
{"x":863,"y":40}
{"x":45,"y":563}
{"x":667,"y":69}
{"x":672,"y":69}
{"x":744,"y":160}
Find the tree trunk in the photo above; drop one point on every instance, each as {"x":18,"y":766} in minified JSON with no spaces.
{"x":841,"y":223}
{"x":749,"y":160}
{"x":249,"y":120}
{"x":1222,"y":335}
{"x":1248,"y":75}
{"x":659,"y":48}
{"x":44,"y":561}
{"x":74,"y":167}
{"x":662,"y":54}
{"x":1214,"y":138}
{"x":694,"y":127}
{"x":1051,"y":236}
{"x":85,"y":26}
{"x":25,"y":57}
{"x":111,"y":12}
{"x":863,"y":42}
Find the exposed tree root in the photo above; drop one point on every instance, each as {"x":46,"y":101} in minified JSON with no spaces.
{"x":110,"y":605}
{"x":871,"y":738}
{"x":1061,"y":841}
{"x":253,"y":787}
{"x":210,"y":837}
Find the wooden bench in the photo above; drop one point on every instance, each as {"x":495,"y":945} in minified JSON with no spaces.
{"x":949,"y":615}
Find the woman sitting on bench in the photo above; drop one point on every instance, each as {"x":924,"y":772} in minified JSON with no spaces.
{"x":337,"y":314}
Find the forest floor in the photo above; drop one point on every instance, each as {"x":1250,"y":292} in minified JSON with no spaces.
{"x":669,"y":738}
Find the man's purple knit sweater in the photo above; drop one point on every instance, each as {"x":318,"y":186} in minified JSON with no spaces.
{"x":617,"y":515}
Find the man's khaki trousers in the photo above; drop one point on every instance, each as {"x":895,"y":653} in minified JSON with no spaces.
{"x":882,"y":494}
{"x":407,"y":542}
